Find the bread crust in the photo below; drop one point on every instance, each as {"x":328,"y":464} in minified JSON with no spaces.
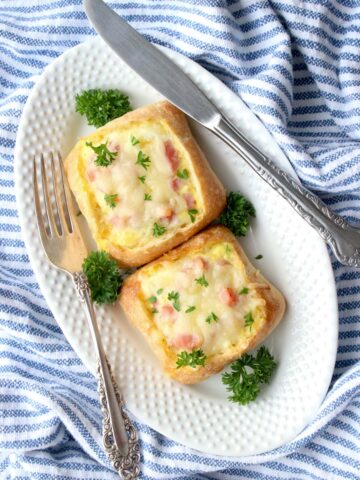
{"x":140,"y":318}
{"x":211,"y":190}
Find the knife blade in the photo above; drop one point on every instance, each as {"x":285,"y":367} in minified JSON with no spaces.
{"x":166,"y":77}
{"x":142,"y":57}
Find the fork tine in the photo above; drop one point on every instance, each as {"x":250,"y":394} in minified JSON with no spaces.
{"x":58,"y":202}
{"x":39,"y":216}
{"x":47,"y":201}
{"x":67,"y":205}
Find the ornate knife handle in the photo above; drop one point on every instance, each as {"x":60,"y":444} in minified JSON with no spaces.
{"x":343,"y":239}
{"x":119,"y":434}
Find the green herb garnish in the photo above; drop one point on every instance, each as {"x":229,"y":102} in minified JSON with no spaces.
{"x":202,"y":281}
{"x":175,"y":297}
{"x":249,"y":320}
{"x":160,"y":291}
{"x":237,"y":213}
{"x":192,"y":214}
{"x":186,"y":359}
{"x":111,"y":199}
{"x":104,"y":156}
{"x":142,"y":179}
{"x":134,"y":141}
{"x":190,"y":309}
{"x":154,"y":310}
{"x":184,"y":174}
{"x":101,"y":106}
{"x":103,"y":276}
{"x":244,"y":291}
{"x":158,"y":230}
{"x":152,"y":299}
{"x":143,"y":160}
{"x":147,"y":197}
{"x":211,"y":318}
{"x":258,"y":257}
{"x":247,"y":374}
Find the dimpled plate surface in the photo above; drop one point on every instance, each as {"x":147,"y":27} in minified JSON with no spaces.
{"x":295,"y":259}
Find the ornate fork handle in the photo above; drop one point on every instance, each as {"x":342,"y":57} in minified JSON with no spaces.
{"x":119,"y":434}
{"x":343,"y":239}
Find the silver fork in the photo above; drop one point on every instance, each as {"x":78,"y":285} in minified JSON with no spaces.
{"x":65,"y":249}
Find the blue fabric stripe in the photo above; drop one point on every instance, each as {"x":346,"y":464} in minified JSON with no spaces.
{"x":296,"y":65}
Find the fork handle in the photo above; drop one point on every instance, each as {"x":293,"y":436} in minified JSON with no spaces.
{"x":119,"y":434}
{"x":343,"y":239}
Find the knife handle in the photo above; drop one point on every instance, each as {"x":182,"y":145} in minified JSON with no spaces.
{"x":343,"y":239}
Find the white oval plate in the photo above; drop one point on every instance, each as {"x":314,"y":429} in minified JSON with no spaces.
{"x":295,"y":259}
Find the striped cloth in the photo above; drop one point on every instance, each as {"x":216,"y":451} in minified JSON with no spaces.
{"x":296,"y":65}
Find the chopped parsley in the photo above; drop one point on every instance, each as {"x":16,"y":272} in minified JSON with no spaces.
{"x":237,"y":213}
{"x":249,"y":320}
{"x":158,"y":230}
{"x":190,"y":309}
{"x":142,"y":179}
{"x":104,"y":156}
{"x":152,"y":299}
{"x":160,"y":291}
{"x":244,"y":291}
{"x":184,"y":174}
{"x":143,"y":160}
{"x":101,"y":106}
{"x":211,"y":318}
{"x":186,"y":359}
{"x":247,"y":374}
{"x":175,"y":297}
{"x":147,"y":197}
{"x":192,"y":214}
{"x":258,"y":257}
{"x":111,"y":200}
{"x":154,"y":311}
{"x":103,"y":276}
{"x":134,"y":140}
{"x":202,"y":281}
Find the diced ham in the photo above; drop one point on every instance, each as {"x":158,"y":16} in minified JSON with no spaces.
{"x":113,"y":146}
{"x":118,"y":221}
{"x":190,"y":201}
{"x":91,"y":174}
{"x":196,"y":265}
{"x":166,"y":213}
{"x":171,"y":155}
{"x":175,"y":184}
{"x":168,"y":313}
{"x":222,"y":262}
{"x":228,"y":297}
{"x":186,"y":341}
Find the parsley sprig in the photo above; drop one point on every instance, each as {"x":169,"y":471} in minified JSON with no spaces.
{"x":175,"y":297}
{"x":211,"y":318}
{"x":244,"y":291}
{"x":192,"y":214}
{"x":103,"y":276}
{"x":143,"y":160}
{"x":101,"y":106}
{"x":134,"y":140}
{"x":192,"y":359}
{"x":111,"y":199}
{"x":158,"y":230}
{"x":249,"y":320}
{"x":147,"y":197}
{"x":202,"y":281}
{"x":184,"y":174}
{"x":190,"y":309}
{"x":237,"y":213}
{"x":104,"y":156}
{"x":247,"y":374}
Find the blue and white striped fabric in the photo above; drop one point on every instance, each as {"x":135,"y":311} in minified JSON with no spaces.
{"x":297,"y":66}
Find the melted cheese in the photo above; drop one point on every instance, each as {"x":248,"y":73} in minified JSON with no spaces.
{"x":130,"y":223}
{"x":224,"y":272}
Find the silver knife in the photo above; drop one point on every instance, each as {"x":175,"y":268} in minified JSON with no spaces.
{"x":168,"y":79}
